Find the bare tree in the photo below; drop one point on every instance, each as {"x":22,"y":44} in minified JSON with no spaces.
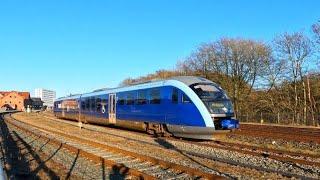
{"x":274,"y":73}
{"x":295,"y":48}
{"x":237,"y":63}
{"x":316,"y":31}
{"x":243,"y":61}
{"x":272,"y":83}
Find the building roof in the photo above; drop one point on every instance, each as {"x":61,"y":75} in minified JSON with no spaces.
{"x":35,"y":99}
{"x":25,"y":95}
{"x":4,"y":93}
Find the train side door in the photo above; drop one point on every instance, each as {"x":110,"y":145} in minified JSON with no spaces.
{"x":112,"y":108}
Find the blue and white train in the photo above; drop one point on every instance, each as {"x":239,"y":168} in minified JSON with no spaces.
{"x":184,"y":106}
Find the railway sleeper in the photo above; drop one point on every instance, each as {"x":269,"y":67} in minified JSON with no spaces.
{"x":141,"y":165}
{"x":160,"y":173}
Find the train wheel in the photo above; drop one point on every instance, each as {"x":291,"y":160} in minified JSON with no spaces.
{"x":157,"y":130}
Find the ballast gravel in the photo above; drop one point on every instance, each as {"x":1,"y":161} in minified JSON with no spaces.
{"x":212,"y":160}
{"x":78,"y":166}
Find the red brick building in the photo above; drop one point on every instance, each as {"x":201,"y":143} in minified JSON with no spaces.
{"x":13,"y":99}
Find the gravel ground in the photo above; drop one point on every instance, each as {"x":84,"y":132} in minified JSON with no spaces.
{"x":23,"y":161}
{"x":227,"y":163}
{"x":293,"y":146}
{"x":57,"y":162}
{"x":300,"y":157}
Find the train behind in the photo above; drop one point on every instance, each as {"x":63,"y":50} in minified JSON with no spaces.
{"x":184,"y":106}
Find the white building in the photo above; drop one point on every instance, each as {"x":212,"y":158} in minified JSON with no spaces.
{"x":47,"y":96}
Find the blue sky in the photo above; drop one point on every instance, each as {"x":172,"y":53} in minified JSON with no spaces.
{"x":77,"y":46}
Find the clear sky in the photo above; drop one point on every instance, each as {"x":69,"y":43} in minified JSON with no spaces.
{"x":75,"y":46}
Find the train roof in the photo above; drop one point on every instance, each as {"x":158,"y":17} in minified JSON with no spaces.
{"x":69,"y":97}
{"x":187,"y":80}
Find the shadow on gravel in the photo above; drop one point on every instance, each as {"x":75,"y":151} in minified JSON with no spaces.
{"x":118,"y":172}
{"x":16,"y":164}
{"x":168,"y":145}
{"x":73,"y":163}
{"x":41,"y":163}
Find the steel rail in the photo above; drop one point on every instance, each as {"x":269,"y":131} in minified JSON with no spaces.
{"x":123,"y":170}
{"x":165,"y":164}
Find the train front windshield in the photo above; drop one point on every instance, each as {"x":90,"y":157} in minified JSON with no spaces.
{"x":215,"y":99}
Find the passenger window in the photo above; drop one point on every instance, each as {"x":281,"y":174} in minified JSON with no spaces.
{"x":87,"y":104}
{"x":104,"y":104}
{"x":83,"y":105}
{"x":142,"y":97}
{"x":174,"y":96}
{"x":93,"y":103}
{"x":155,"y":96}
{"x":130,"y":98}
{"x":121,"y":100}
{"x":185,"y":99}
{"x":98,"y":104}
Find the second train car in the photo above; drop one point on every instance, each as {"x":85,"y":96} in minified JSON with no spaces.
{"x":184,"y":106}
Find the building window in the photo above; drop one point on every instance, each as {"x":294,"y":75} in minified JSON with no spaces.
{"x":155,"y":96}
{"x":174,"y":96}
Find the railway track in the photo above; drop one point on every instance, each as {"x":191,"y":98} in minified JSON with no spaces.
{"x":141,"y":166}
{"x":283,"y":156}
{"x":300,"y":134}
{"x":280,"y":155}
{"x":265,"y":151}
{"x":23,"y":157}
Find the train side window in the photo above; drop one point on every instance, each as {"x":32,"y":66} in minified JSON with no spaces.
{"x":93,"y":103}
{"x":185,"y":99}
{"x":130,"y":98}
{"x":83,"y":105}
{"x":121,"y":100}
{"x":142,"y":97}
{"x":155,"y":97}
{"x":87,"y":104}
{"x":98,"y":104}
{"x":104,"y":104}
{"x":174,"y":96}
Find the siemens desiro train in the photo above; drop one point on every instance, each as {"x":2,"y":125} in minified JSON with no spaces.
{"x":184,"y":106}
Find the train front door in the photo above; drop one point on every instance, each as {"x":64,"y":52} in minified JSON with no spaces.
{"x":112,"y":108}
